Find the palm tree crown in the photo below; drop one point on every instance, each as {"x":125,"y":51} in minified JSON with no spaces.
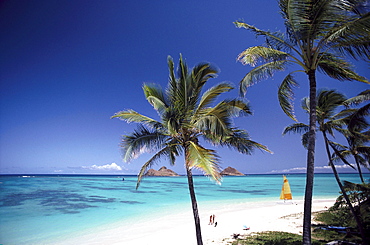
{"x":317,"y":34}
{"x":185,"y":115}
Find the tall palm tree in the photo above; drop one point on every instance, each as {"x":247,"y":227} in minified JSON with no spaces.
{"x":328,"y":101}
{"x":187,"y":117}
{"x":317,"y":34}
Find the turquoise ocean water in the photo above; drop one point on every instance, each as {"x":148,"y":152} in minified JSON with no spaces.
{"x":36,"y":209}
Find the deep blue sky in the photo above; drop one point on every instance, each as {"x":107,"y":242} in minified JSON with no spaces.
{"x":67,"y":66}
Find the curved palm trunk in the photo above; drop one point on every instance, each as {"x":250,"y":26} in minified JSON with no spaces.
{"x":310,"y":161}
{"x":194,"y":206}
{"x":351,"y":208}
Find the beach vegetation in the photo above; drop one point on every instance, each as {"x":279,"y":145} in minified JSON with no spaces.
{"x":339,"y":214}
{"x":330,"y":120}
{"x":272,"y":238}
{"x":188,"y":119}
{"x":319,"y":36}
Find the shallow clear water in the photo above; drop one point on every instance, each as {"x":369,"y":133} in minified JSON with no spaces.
{"x":38,"y":208}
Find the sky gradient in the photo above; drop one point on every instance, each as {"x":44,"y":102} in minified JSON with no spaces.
{"x":67,"y":66}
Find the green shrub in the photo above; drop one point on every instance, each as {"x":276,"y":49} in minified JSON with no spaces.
{"x":273,"y":238}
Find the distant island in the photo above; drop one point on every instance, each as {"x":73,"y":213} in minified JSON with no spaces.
{"x":163,"y":171}
{"x":229,"y":171}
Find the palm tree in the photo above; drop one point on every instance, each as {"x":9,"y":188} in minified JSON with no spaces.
{"x":356,"y":148}
{"x":317,"y":34}
{"x":186,"y":117}
{"x":328,"y":121}
{"x":358,"y":133}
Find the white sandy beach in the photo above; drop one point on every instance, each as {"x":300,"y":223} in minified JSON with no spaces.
{"x":179,"y":228}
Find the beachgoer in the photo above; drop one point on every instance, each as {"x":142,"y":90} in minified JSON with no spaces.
{"x":213,"y":219}
{"x":210,"y":220}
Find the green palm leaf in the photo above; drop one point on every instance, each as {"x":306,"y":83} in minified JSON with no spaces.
{"x":214,"y":120}
{"x":272,"y":37}
{"x":362,"y":97}
{"x":133,"y":116}
{"x":238,"y":107}
{"x":203,"y":159}
{"x":352,"y":36}
{"x":253,"y":55}
{"x":167,"y":152}
{"x":260,"y":73}
{"x":296,"y":128}
{"x":155,"y":96}
{"x":211,"y":94}
{"x":338,"y":68}
{"x":285,"y":95}
{"x":140,"y":141}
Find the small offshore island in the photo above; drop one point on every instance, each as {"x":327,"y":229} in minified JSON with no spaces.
{"x":229,"y":171}
{"x":165,"y":172}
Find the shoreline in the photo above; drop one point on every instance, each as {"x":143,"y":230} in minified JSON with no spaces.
{"x":179,"y":226}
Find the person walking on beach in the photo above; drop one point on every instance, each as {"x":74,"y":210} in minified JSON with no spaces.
{"x":211,"y":219}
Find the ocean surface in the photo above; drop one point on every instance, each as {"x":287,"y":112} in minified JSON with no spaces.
{"x":37,"y":209}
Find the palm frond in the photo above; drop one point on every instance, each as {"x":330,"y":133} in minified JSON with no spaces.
{"x":358,"y":119}
{"x":306,"y":19}
{"x":165,"y":152}
{"x":172,"y":84}
{"x":337,"y":147}
{"x":253,"y":55}
{"x":344,"y":114}
{"x":201,"y":73}
{"x":345,"y":153}
{"x":352,"y":36}
{"x":215,"y":121}
{"x":140,"y":141}
{"x":133,"y":116}
{"x":327,"y":102}
{"x":361,"y":97}
{"x":260,"y":73}
{"x":199,"y":76}
{"x":239,"y":140}
{"x":364,"y":150}
{"x":204,"y":159}
{"x":305,"y":104}
{"x":285,"y":95}
{"x":211,"y":95}
{"x":155,"y":96}
{"x":276,"y":39}
{"x":296,"y":128}
{"x":338,"y":68}
{"x":237,"y":107}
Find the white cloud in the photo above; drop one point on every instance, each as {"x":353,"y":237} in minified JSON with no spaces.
{"x":336,"y":166}
{"x":108,"y":167}
{"x":303,"y":169}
